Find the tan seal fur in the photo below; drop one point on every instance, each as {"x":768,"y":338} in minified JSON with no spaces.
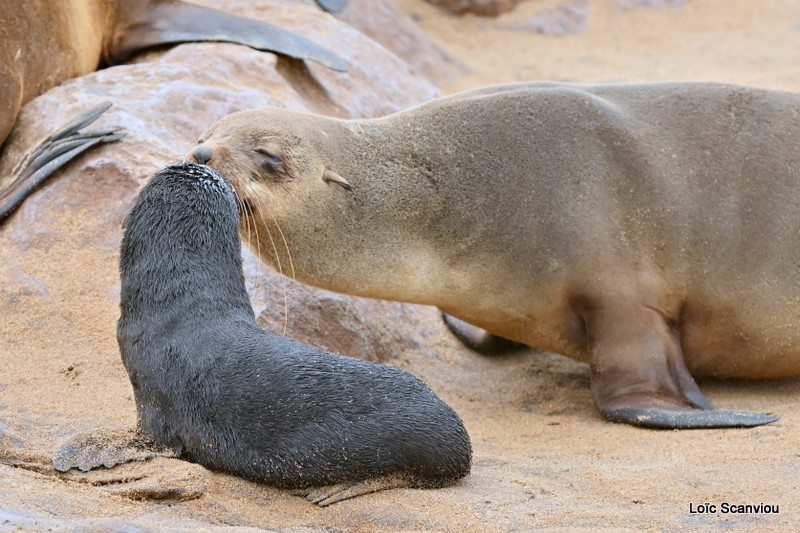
{"x":641,"y":228}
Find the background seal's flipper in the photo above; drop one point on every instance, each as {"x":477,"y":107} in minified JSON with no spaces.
{"x":479,"y":339}
{"x":53,"y":153}
{"x":180,"y":22}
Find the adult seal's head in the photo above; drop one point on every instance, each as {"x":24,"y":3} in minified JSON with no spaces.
{"x":217,"y":390}
{"x":303,"y":182}
{"x":622,"y":225}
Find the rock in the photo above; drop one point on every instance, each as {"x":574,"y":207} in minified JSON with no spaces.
{"x":632,"y":4}
{"x":566,"y":19}
{"x":369,"y":329}
{"x":383,"y":22}
{"x":490,"y":8}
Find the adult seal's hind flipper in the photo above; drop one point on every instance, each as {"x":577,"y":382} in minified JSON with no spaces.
{"x":161,"y":23}
{"x":53,"y":153}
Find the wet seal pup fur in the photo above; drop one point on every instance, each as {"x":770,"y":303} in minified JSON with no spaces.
{"x":44,"y":43}
{"x":217,"y":390}
{"x":650,"y":230}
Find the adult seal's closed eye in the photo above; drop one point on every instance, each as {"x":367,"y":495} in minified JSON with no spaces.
{"x":217,"y":390}
{"x":650,"y":230}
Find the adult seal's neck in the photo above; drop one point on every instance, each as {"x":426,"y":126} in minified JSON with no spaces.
{"x":181,"y":252}
{"x":387,"y":220}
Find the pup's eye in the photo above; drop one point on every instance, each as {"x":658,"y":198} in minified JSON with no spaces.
{"x":269,"y":159}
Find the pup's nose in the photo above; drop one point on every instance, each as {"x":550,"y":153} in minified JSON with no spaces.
{"x":202,"y":154}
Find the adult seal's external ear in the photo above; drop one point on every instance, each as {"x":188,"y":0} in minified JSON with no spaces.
{"x":329,"y":176}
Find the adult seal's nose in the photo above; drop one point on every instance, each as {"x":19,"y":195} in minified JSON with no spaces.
{"x":202,"y":154}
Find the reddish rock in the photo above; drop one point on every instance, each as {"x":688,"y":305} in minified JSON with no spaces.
{"x":383,"y":22}
{"x":566,"y":19}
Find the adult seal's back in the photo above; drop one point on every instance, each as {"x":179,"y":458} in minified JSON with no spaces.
{"x":217,"y":390}
{"x":650,"y":230}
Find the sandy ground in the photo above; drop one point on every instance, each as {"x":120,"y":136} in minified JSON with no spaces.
{"x":543,"y":458}
{"x":732,"y":41}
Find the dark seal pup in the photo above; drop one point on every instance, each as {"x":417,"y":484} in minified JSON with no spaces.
{"x":650,"y":230}
{"x":217,"y":390}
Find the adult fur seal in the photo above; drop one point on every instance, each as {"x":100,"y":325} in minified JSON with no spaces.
{"x":43,"y":43}
{"x":650,"y":230}
{"x":217,"y":390}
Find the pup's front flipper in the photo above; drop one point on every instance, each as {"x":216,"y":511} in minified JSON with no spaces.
{"x":105,"y":449}
{"x":479,"y":339}
{"x":639,"y":375}
{"x":324,"y":496}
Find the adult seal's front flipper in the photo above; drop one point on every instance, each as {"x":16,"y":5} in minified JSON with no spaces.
{"x":686,"y":418}
{"x":53,"y":153}
{"x":639,"y":376}
{"x":479,"y":339}
{"x":160,"y":23}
